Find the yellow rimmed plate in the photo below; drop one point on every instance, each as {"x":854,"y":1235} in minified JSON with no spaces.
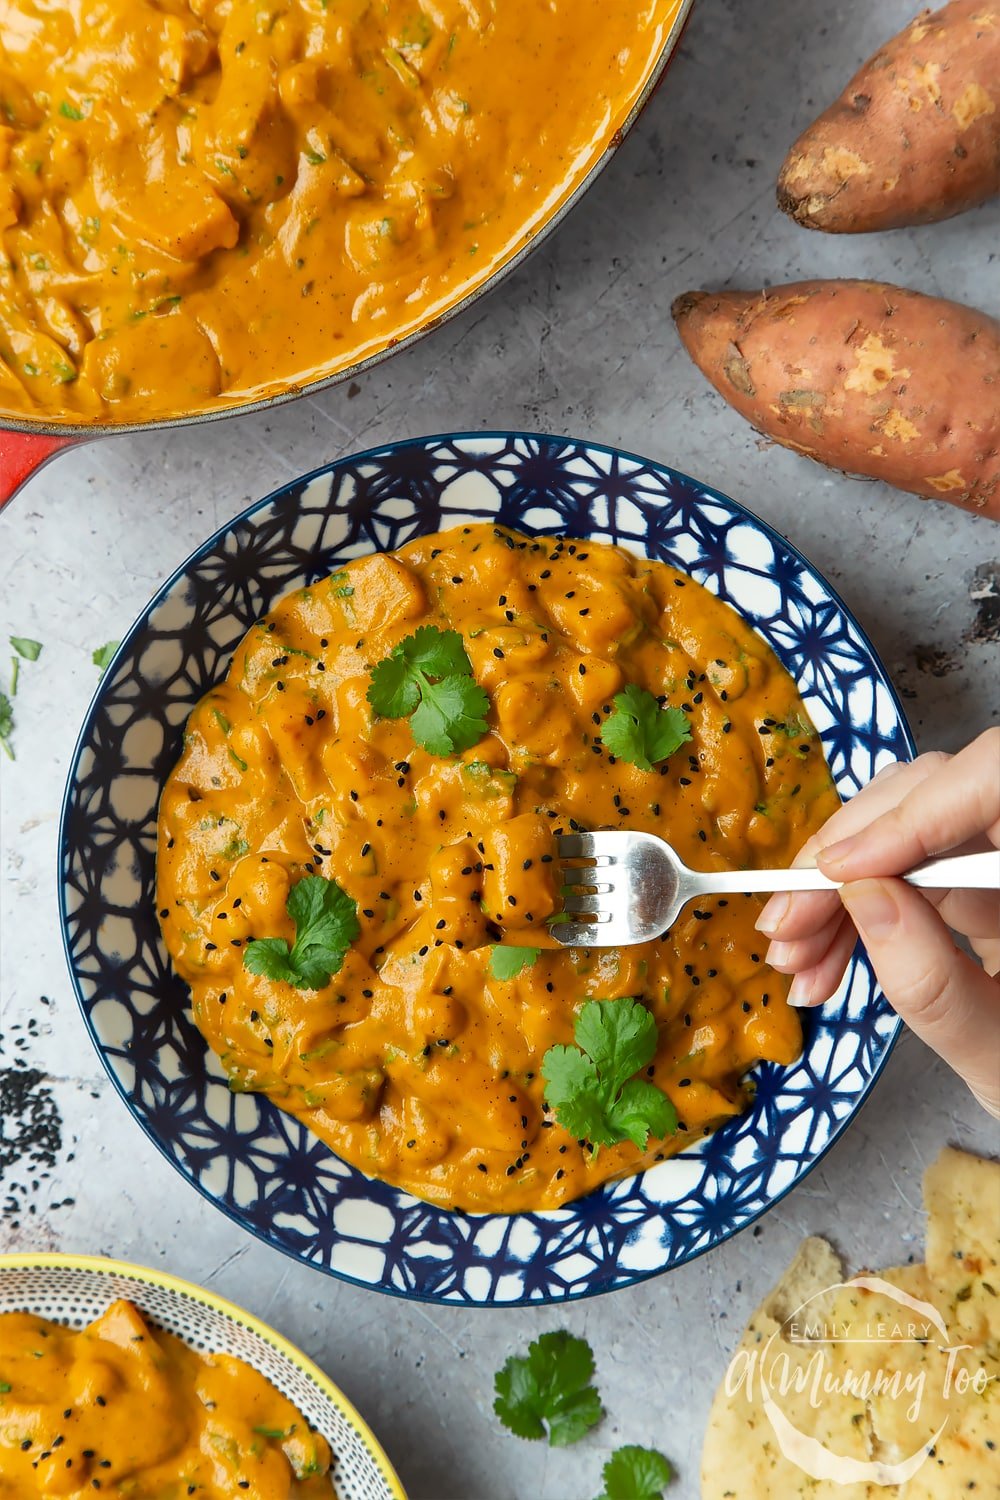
{"x":75,"y":1289}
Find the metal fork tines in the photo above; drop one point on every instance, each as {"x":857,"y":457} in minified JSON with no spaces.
{"x":617,"y":896}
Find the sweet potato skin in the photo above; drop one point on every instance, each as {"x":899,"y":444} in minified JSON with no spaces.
{"x":915,"y":136}
{"x":861,"y":376}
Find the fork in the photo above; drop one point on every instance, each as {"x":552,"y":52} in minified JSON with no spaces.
{"x":635,"y":885}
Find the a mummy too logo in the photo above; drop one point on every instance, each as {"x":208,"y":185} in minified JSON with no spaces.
{"x":859,"y":1383}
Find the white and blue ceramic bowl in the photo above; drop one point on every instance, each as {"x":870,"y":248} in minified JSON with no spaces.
{"x":260,"y":1166}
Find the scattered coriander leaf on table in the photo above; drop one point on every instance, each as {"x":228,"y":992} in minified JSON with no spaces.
{"x":102,"y":656}
{"x":6,"y":725}
{"x":15,"y":672}
{"x":30,"y":650}
{"x":634,"y":1473}
{"x":507,"y":961}
{"x":640,"y":731}
{"x":326,"y":924}
{"x":549,"y":1390}
{"x":428,"y":678}
{"x":591,"y":1086}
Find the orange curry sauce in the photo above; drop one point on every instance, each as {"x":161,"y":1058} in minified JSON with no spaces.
{"x":120,"y":1408}
{"x":205,"y":201}
{"x":414,"y":1063}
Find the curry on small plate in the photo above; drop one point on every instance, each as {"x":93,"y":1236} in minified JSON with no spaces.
{"x":122,"y":1380}
{"x":436,"y":659}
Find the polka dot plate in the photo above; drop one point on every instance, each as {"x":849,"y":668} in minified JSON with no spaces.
{"x":263,"y":1168}
{"x":75,"y":1289}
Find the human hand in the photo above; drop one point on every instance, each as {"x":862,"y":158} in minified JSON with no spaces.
{"x":935,"y":805}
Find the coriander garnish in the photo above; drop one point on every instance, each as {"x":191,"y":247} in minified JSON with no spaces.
{"x":640,"y":731}
{"x":326,"y":924}
{"x":592,"y":1086}
{"x":428,"y":679}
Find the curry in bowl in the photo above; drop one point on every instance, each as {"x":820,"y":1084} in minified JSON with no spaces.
{"x":356,"y":871}
{"x":203,"y":203}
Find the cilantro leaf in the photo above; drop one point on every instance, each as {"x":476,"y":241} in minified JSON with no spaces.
{"x":393,"y":690}
{"x":30,"y":650}
{"x":591,"y":1086}
{"x":439,"y":653}
{"x":573,"y":1089}
{"x":634,"y":1473}
{"x":549,"y":1390}
{"x":620,"y":1037}
{"x":326,"y":924}
{"x":642,"y":1110}
{"x":6,"y":724}
{"x":271,"y":957}
{"x":642,"y":732}
{"x":507,"y":961}
{"x":103,"y":655}
{"x":451,"y":715}
{"x":428,"y":678}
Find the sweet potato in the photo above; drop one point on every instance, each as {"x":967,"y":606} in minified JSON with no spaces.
{"x":861,"y":376}
{"x":915,"y":136}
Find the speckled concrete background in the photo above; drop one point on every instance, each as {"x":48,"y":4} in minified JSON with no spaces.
{"x":579,"y":341}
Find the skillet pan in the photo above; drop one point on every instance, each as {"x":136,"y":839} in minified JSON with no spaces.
{"x":26,"y":445}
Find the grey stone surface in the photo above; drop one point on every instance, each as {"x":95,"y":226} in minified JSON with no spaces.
{"x":579,"y":341}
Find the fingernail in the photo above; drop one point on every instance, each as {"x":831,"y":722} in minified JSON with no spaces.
{"x":773,"y":915}
{"x":872,"y":906}
{"x":778,"y":955}
{"x":800,"y":992}
{"x":835,"y":854}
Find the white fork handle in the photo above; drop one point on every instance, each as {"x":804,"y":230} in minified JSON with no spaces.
{"x":962,"y":872}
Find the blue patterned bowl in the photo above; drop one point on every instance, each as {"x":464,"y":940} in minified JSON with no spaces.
{"x":260,"y":1166}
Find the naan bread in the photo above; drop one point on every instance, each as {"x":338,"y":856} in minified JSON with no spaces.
{"x":960,"y":1284}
